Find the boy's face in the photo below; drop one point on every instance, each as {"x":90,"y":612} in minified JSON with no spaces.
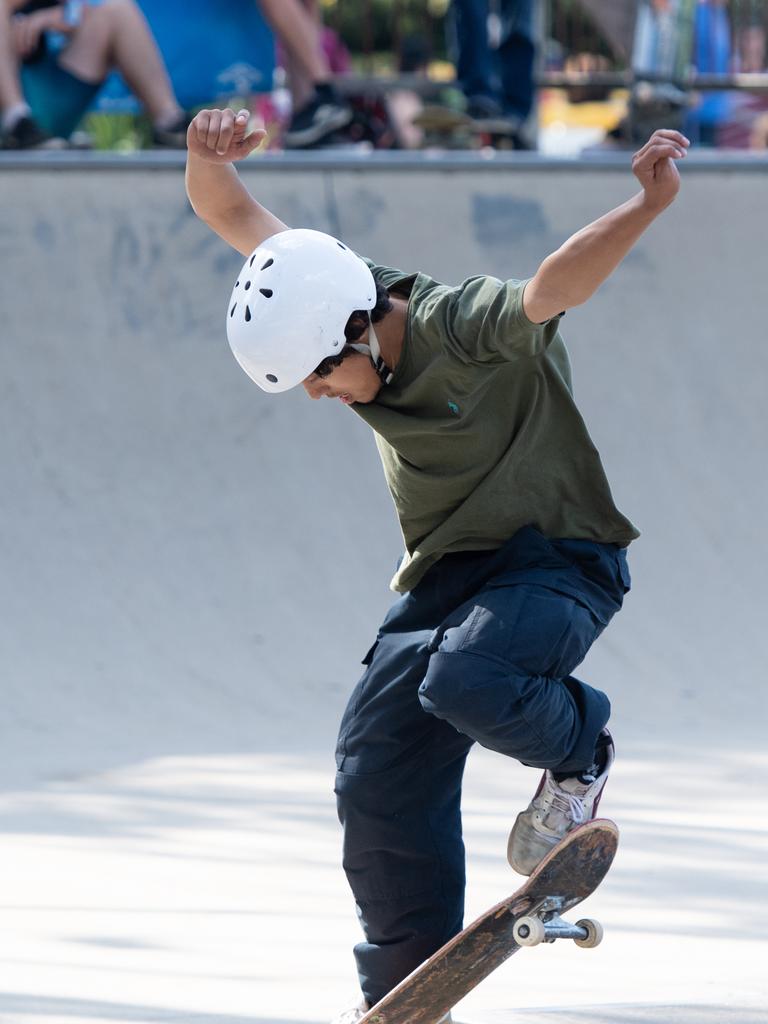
{"x":355,"y":380}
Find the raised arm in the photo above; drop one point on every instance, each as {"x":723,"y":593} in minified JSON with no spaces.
{"x":215,"y":140}
{"x":577,"y":269}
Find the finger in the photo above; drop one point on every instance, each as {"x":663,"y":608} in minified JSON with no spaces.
{"x":30,"y":35}
{"x":253,"y":141}
{"x":24,"y":39}
{"x":202,"y":120}
{"x":649,"y":156}
{"x":665,"y":150}
{"x":241,"y":123}
{"x":214,"y":127}
{"x":674,"y":136}
{"x":226,"y":131}
{"x":667,"y":135}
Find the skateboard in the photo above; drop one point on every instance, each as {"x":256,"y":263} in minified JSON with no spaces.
{"x":569,"y":873}
{"x":452,"y":129}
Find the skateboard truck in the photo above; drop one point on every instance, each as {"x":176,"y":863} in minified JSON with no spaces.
{"x":549,"y":926}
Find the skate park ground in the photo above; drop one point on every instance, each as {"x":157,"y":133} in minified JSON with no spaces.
{"x":192,"y":571}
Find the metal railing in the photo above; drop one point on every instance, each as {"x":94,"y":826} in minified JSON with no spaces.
{"x":602,"y":30}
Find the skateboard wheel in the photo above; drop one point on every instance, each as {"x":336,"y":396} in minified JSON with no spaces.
{"x":529,"y":931}
{"x":594,"y":933}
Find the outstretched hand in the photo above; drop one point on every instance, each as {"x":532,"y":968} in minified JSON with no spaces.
{"x":222,"y":137}
{"x":654,"y":165}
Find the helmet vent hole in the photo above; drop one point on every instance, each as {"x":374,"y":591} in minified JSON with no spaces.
{"x":247,"y":285}
{"x":266,"y":292}
{"x":250,"y":262}
{"x":341,"y":246}
{"x":268,"y":264}
{"x":232,"y":311}
{"x":247,"y":314}
{"x":237,"y":284}
{"x":272,"y":378}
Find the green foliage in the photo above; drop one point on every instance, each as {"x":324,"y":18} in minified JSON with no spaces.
{"x":122,"y":132}
{"x":376,"y":26}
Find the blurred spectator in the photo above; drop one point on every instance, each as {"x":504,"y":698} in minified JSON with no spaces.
{"x":403,"y":105}
{"x":496,"y":74}
{"x":587,"y":64}
{"x":750,"y":59}
{"x":55,"y":56}
{"x":747,"y":127}
{"x":712,"y":55}
{"x":16,"y":122}
{"x":661,"y":50}
{"x":318,"y":109}
{"x":659,"y":31}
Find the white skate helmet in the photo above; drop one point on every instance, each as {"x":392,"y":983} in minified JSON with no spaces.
{"x":290,"y":304}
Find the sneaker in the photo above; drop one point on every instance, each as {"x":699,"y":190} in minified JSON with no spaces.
{"x":325,"y":114}
{"x":172,"y":136}
{"x":558,"y":807}
{"x":27,"y":134}
{"x":357,"y":1013}
{"x":484,"y":108}
{"x":489,"y":117}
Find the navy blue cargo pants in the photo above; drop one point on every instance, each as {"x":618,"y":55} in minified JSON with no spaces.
{"x":481,"y":650}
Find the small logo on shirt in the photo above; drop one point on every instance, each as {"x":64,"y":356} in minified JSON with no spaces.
{"x":454,"y":409}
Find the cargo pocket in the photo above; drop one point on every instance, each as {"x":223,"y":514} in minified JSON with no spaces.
{"x":531,"y":629}
{"x":353,"y":704}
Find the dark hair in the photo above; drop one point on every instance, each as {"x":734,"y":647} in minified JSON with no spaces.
{"x":356,"y":327}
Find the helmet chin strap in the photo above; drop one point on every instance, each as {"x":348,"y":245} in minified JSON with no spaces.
{"x":373,"y":349}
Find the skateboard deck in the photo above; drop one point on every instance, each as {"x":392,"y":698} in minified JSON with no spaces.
{"x":569,"y":873}
{"x":452,"y":129}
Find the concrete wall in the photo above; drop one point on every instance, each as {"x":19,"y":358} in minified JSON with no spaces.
{"x":191,"y":566}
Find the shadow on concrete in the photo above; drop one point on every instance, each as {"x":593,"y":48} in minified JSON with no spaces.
{"x":58,"y":1008}
{"x":630,"y":1015}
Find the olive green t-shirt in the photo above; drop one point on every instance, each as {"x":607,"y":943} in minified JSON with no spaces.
{"x":478,"y":430}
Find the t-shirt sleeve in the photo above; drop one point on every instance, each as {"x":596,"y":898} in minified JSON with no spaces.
{"x":387,"y":276}
{"x":485,"y":322}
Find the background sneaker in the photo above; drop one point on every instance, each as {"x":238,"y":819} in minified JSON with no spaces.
{"x":27,"y":134}
{"x":325,"y":114}
{"x":172,"y":136}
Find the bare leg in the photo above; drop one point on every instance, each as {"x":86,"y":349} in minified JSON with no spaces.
{"x":302,"y":88}
{"x":301,"y":85}
{"x":10,"y":87}
{"x":299,"y":33}
{"x":116,"y":34}
{"x":318,"y":111}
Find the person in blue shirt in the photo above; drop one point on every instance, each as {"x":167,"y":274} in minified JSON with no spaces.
{"x":55,"y":56}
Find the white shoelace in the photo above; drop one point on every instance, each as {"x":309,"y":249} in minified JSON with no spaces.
{"x":569,"y":805}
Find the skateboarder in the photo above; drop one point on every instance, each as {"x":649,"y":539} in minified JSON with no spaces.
{"x":515,"y":554}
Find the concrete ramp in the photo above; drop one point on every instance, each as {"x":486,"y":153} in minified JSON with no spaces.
{"x":191,"y":571}
{"x":175,"y":541}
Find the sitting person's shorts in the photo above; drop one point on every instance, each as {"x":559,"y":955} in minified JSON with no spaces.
{"x":58,"y":98}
